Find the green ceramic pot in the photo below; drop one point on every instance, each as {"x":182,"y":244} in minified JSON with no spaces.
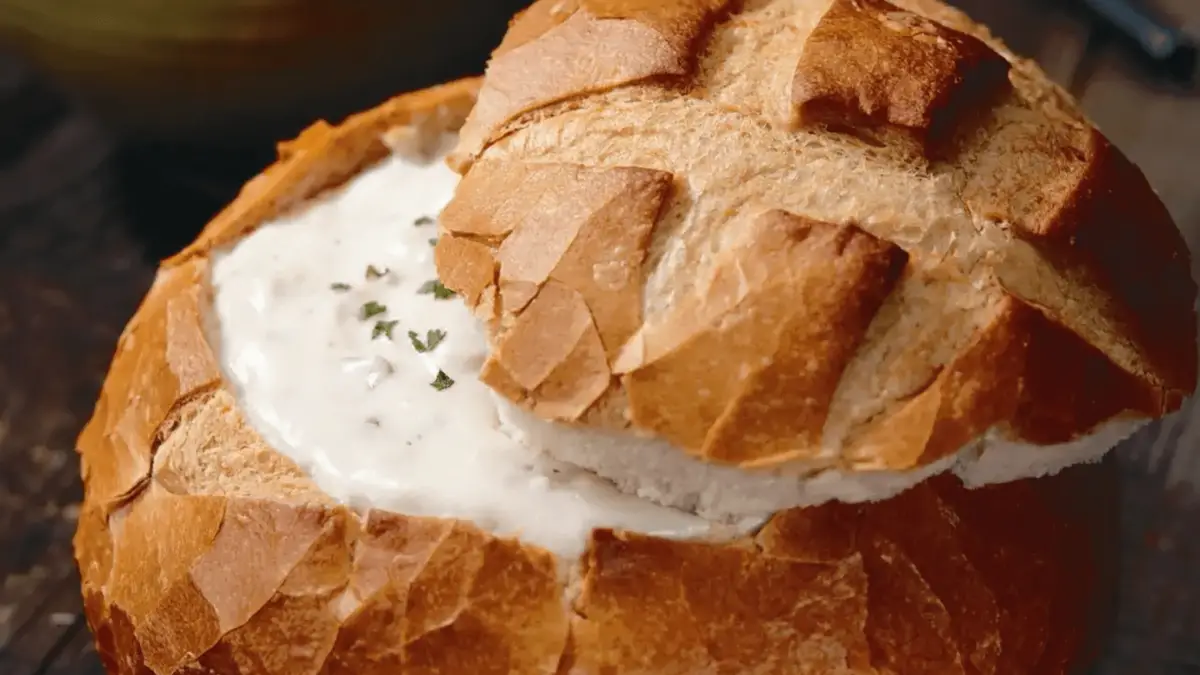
{"x":219,"y":71}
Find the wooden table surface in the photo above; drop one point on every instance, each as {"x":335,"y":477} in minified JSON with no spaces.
{"x":74,"y":235}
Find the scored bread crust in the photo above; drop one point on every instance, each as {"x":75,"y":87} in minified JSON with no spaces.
{"x":202,"y":550}
{"x":808,"y":234}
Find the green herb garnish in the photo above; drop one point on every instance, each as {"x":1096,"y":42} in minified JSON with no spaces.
{"x":370,"y":309}
{"x":433,"y":241}
{"x":374,"y":272}
{"x":442,"y":382}
{"x":433,"y":338}
{"x":423,"y":220}
{"x":436,"y":289}
{"x":383,"y":328}
{"x":340,"y":287}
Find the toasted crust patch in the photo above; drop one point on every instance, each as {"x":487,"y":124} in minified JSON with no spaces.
{"x":568,"y":281}
{"x":552,"y":354}
{"x":868,"y":63}
{"x":769,"y":302}
{"x":466,"y":267}
{"x":640,"y":590}
{"x":162,"y":359}
{"x":550,"y":56}
{"x":594,"y":242}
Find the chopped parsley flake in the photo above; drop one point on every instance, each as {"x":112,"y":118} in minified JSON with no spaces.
{"x":433,"y":338}
{"x":433,"y":241}
{"x":374,"y":272}
{"x":370,"y":309}
{"x":442,"y":382}
{"x":423,"y":220}
{"x":383,"y":328}
{"x":436,"y":289}
{"x":340,"y":287}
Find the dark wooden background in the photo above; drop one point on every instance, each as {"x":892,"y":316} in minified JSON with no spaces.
{"x":83,"y":217}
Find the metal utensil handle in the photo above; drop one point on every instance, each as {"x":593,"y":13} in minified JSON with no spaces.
{"x":1158,"y":38}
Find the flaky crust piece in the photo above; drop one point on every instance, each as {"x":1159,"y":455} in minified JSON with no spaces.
{"x":812,"y":234}
{"x":204,"y":551}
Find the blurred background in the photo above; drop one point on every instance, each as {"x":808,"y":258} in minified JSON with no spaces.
{"x":125,"y":125}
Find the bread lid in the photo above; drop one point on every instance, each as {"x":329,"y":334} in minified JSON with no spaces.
{"x":808,"y":235}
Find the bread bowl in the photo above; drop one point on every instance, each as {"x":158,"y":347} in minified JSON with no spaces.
{"x":281,"y":480}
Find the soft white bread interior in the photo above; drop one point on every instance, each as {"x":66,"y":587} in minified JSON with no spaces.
{"x":203,"y":549}
{"x":809,"y":235}
{"x":657,"y":471}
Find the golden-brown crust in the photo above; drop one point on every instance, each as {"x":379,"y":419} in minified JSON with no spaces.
{"x":1097,"y":217}
{"x":204,"y":551}
{"x":154,"y":373}
{"x":1118,"y":229}
{"x":868,"y":63}
{"x":583,"y":263}
{"x":594,"y":240}
{"x":552,"y":354}
{"x":639,"y":590}
{"x":1021,"y":369}
{"x":1026,"y":231}
{"x":550,"y":55}
{"x":794,"y":318}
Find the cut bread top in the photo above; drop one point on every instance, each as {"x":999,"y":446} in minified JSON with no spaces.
{"x":807,"y":234}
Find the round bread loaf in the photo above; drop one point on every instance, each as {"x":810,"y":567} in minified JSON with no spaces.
{"x":208,"y":544}
{"x":804,"y":235}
